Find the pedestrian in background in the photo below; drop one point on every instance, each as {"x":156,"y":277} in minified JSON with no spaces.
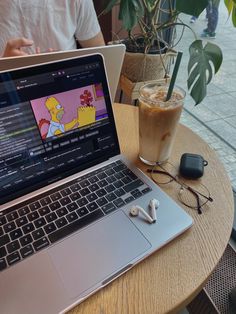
{"x":212,"y":17}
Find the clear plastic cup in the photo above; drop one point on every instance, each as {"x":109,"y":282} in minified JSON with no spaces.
{"x":158,"y":121}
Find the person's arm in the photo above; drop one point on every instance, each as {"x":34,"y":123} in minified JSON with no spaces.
{"x":14,"y":47}
{"x":96,"y":41}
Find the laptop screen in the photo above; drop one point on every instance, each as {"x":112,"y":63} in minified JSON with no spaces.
{"x":55,"y":119}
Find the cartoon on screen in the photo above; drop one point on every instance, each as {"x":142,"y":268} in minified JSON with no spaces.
{"x":63,"y":112}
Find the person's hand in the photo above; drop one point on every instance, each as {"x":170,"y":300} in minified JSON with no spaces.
{"x":14,"y":47}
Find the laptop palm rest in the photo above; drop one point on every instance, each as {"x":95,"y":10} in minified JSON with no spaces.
{"x":88,"y":258}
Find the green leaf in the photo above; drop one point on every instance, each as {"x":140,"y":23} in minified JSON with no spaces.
{"x":234,"y":16}
{"x":130,"y":12}
{"x":204,"y":62}
{"x":110,"y":5}
{"x":191,"y":7}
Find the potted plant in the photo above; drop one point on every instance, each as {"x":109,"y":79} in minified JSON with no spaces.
{"x":154,"y":21}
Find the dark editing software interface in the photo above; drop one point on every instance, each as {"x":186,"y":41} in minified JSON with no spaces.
{"x":52,"y":124}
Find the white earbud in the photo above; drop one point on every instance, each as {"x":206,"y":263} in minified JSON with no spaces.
{"x":154,"y":204}
{"x":134,"y":211}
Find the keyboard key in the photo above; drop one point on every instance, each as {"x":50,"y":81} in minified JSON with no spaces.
{"x":129,"y":199}
{"x":65,"y":192}
{"x":3,"y":252}
{"x":34,"y":206}
{"x":62,"y":212}
{"x":102,"y":183}
{"x":101,"y":201}
{"x":108,"y":208}
{"x":44,"y":211}
{"x":1,"y":231}
{"x":64,"y":201}
{"x":37,"y":234}
{"x":119,"y":192}
{"x":13,"y":258}
{"x":2,"y":220}
{"x":72,"y":206}
{"x":75,"y":187}
{"x":93,"y":179}
{"x":40,"y":244}
{"x":4,"y":239}
{"x":3,"y":264}
{"x":119,"y":202}
{"x":24,"y":211}
{"x":136,"y":193}
{"x":28,"y":228}
{"x":26,"y":240}
{"x":51,"y":217}
{"x":92,"y":206}
{"x":94,"y":187}
{"x":9,"y":227}
{"x":82,"y":202}
{"x":71,"y":216}
{"x":84,"y":183}
{"x":32,"y":216}
{"x":126,"y":180}
{"x":110,"y":188}
{"x":13,"y":246}
{"x":75,"y":196}
{"x":61,"y":222}
{"x":146,"y":190}
{"x":101,"y":192}
{"x":55,"y":205}
{"x":133,"y":185}
{"x":39,"y":222}
{"x":45,"y":201}
{"x":26,"y":251}
{"x":12,"y":216}
{"x":21,"y":221}
{"x":84,"y":192}
{"x":56,"y":196}
{"x":50,"y":228}
{"x":101,"y":175}
{"x":74,"y":226}
{"x":118,"y":184}
{"x":15,"y":234}
{"x":82,"y":211}
{"x":92,"y":197}
{"x":111,"y":197}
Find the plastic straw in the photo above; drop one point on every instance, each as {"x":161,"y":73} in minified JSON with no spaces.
{"x":174,"y":75}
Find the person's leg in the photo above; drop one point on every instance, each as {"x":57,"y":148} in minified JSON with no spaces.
{"x":213,"y":19}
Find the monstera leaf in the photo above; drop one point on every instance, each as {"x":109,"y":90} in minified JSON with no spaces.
{"x":204,"y":62}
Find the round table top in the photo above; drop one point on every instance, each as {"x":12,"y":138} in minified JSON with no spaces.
{"x":169,"y":279}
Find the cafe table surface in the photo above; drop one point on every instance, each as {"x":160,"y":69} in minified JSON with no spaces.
{"x":170,"y":278}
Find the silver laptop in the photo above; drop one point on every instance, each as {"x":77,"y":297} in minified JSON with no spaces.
{"x":113,"y":56}
{"x":66,"y":191}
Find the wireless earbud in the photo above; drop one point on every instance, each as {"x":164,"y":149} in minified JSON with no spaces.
{"x":153,"y":205}
{"x":134,"y":211}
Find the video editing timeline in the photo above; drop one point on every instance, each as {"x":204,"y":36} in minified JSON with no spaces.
{"x":80,"y":130}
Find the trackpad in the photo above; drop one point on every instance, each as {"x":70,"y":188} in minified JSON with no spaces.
{"x":89,"y":257}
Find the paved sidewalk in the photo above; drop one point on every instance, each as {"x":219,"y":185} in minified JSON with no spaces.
{"x":215,"y":118}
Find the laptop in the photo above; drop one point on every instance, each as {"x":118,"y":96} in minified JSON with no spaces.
{"x":66,"y":191}
{"x":113,"y":56}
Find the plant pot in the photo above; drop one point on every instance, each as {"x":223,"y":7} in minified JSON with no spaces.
{"x":139,"y":67}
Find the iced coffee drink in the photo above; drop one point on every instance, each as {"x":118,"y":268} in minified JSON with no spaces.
{"x":158,"y":120}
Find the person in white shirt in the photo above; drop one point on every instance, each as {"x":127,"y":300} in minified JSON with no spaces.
{"x":34,"y":26}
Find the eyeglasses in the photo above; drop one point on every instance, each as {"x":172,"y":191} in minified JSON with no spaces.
{"x":191,"y":197}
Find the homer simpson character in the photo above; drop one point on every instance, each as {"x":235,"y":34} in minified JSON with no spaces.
{"x":57,"y":111}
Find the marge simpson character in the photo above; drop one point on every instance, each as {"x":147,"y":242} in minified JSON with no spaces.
{"x":57,"y":111}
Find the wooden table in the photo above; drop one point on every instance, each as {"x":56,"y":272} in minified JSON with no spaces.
{"x":169,"y":279}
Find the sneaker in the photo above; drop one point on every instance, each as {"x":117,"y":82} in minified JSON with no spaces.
{"x":193,"y":19}
{"x":207,"y":34}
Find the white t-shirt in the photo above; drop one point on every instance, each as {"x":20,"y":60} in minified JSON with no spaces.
{"x":49,"y":23}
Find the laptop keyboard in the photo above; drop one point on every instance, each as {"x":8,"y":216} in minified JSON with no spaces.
{"x":30,"y":227}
